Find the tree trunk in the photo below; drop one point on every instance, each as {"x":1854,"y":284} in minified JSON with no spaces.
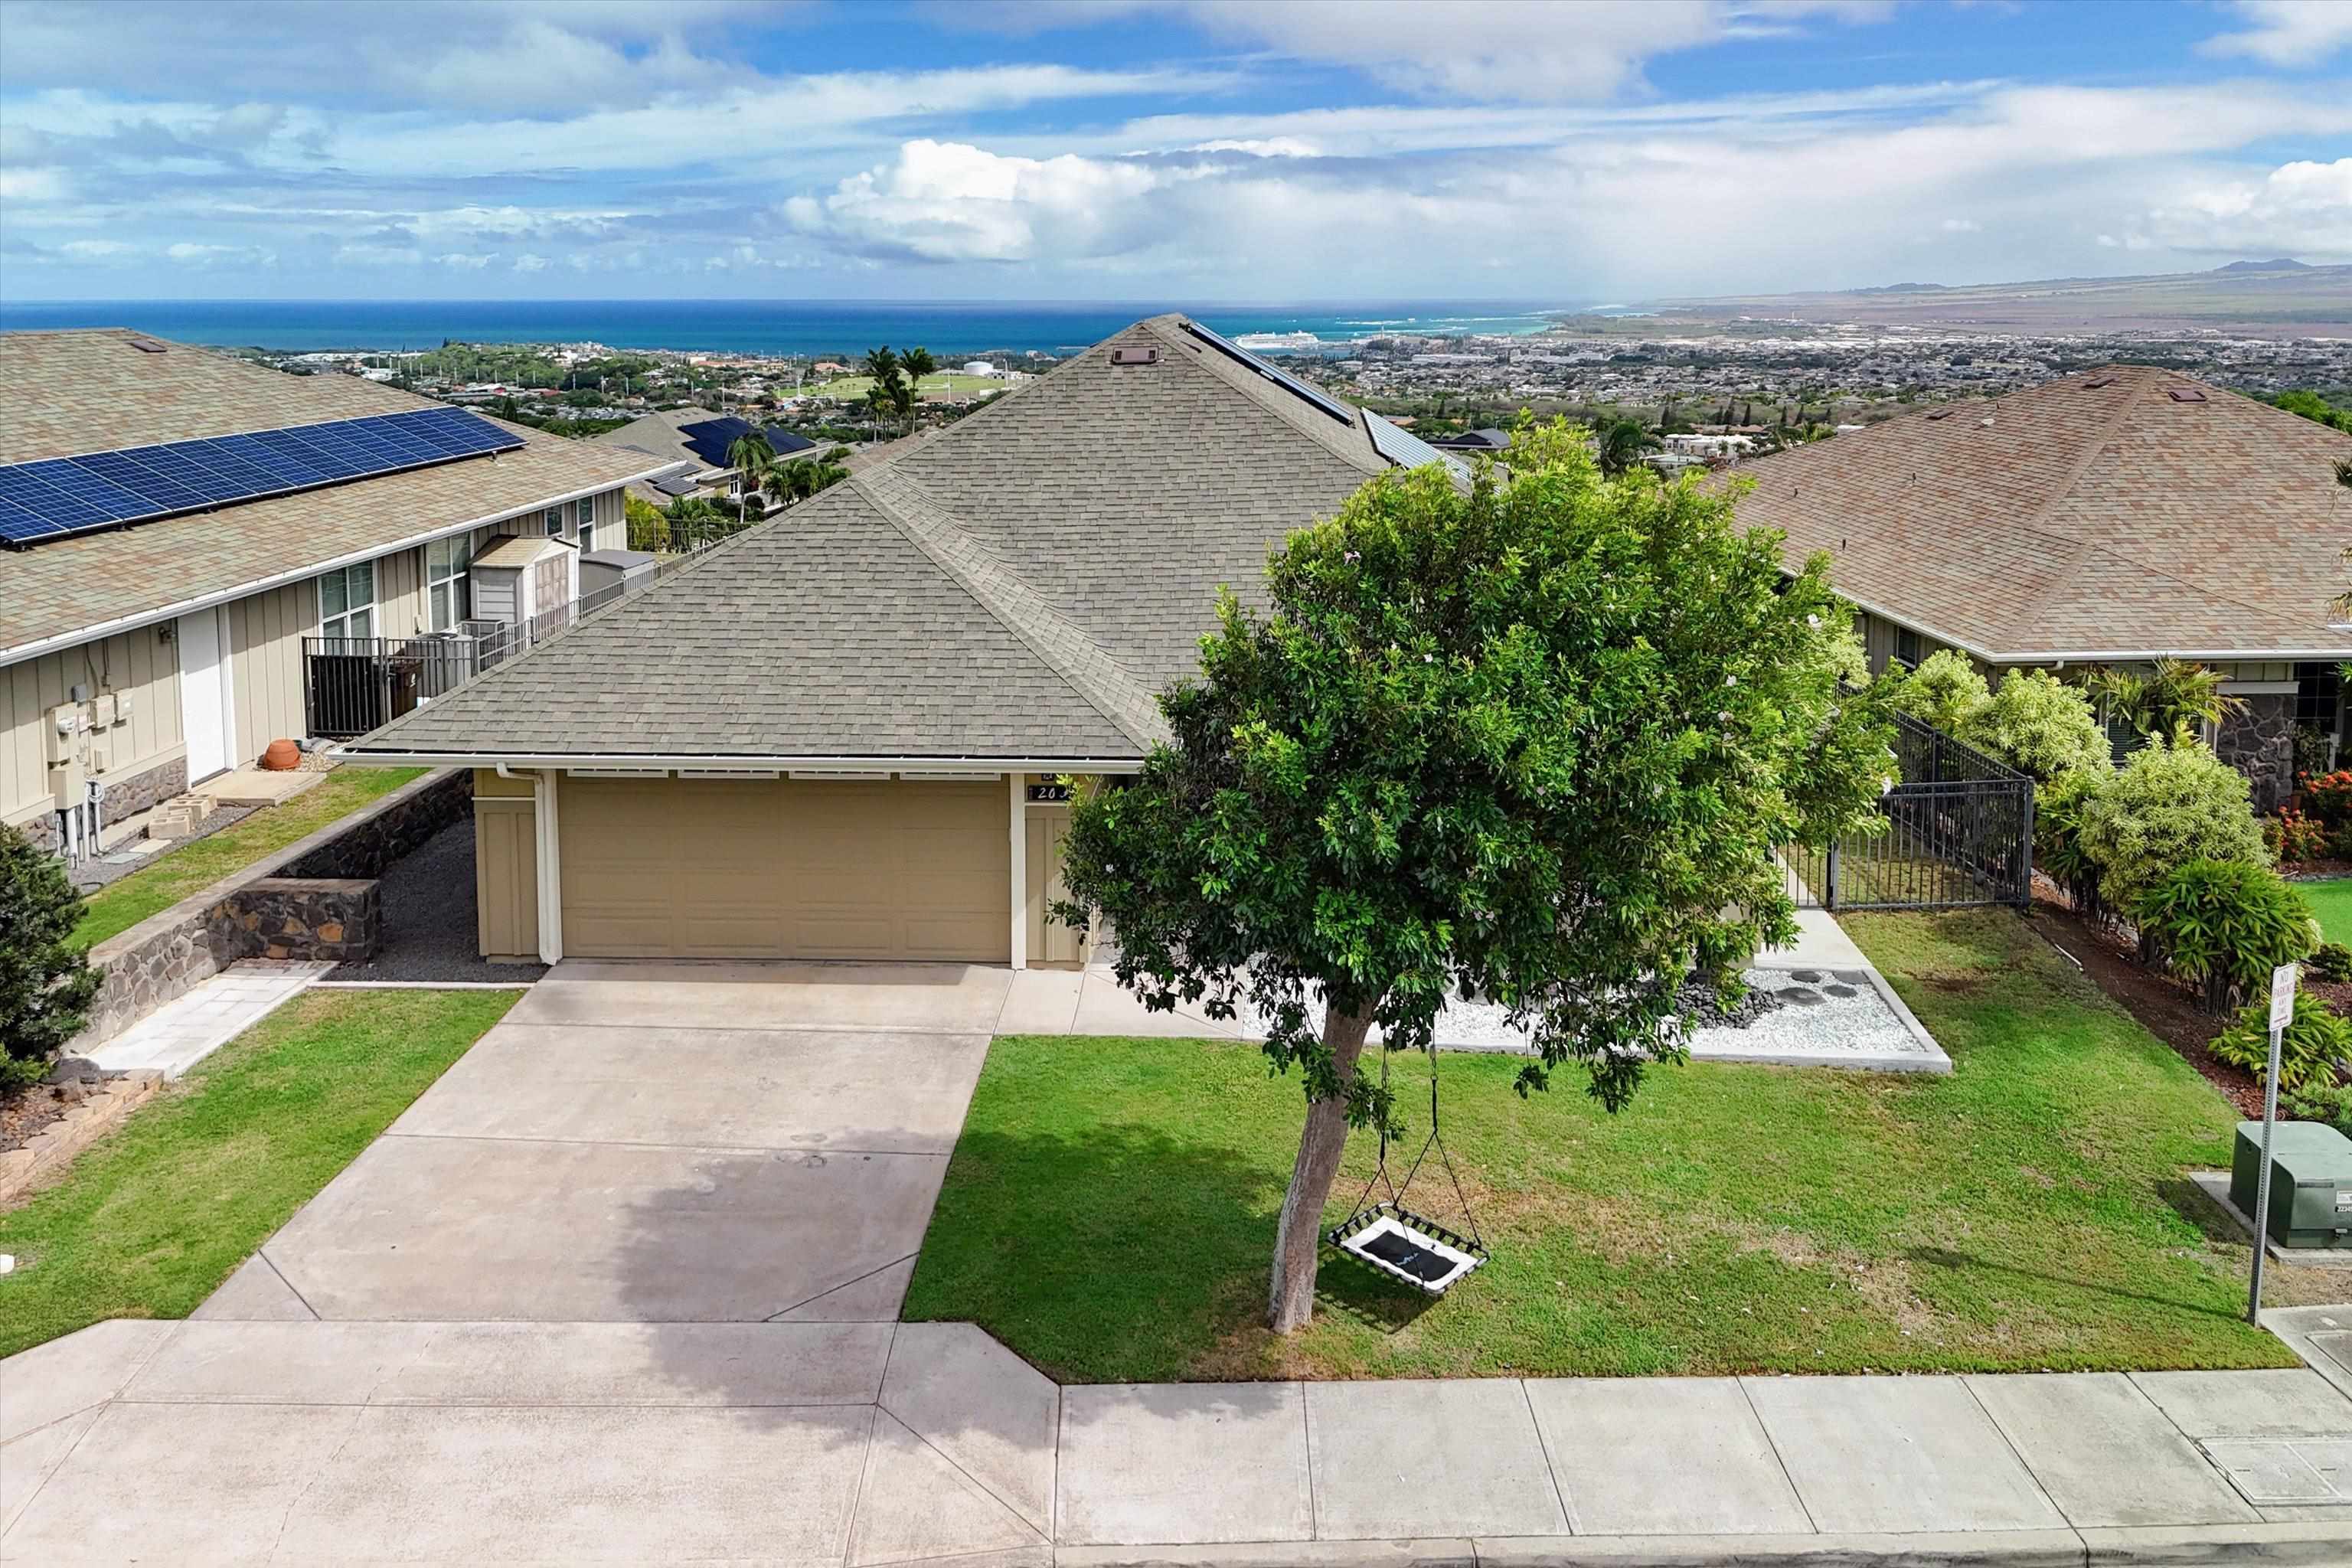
{"x":1296,"y":1241}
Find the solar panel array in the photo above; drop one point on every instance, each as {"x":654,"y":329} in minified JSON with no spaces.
{"x":1283,"y":379}
{"x":712,"y":439}
{"x":1407,"y":450}
{"x":60,"y":496}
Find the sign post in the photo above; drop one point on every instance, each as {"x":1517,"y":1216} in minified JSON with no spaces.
{"x":2283,"y":979}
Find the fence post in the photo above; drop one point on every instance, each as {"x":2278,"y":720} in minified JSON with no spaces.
{"x":2025,"y":850}
{"x":1830,"y":893}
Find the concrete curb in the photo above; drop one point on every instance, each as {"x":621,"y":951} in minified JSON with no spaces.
{"x":2287,"y":1545}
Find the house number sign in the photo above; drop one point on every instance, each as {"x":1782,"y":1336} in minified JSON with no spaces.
{"x":1049,"y":792}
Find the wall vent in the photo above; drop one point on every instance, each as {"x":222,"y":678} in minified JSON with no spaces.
{"x":1134,"y":354}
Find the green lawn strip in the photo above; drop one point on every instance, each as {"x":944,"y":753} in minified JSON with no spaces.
{"x":1109,"y":1209}
{"x":201,"y":862}
{"x":2332,"y":901}
{"x":148,"y":1222}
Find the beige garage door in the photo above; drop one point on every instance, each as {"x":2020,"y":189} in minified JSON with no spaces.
{"x":784,"y":869}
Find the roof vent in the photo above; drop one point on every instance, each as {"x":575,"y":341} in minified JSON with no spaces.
{"x":2098,"y":380}
{"x":149,"y":346}
{"x":1941,"y":413}
{"x":2187,"y":394}
{"x":1134,"y":354}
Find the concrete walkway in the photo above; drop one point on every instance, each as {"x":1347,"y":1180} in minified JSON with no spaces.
{"x":201,"y":1020}
{"x":622,"y":1287}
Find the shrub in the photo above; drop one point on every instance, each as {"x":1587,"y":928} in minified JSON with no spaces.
{"x":2058,"y":843}
{"x":1945,"y":690}
{"x":2291,"y":836}
{"x":2329,"y":796}
{"x":2316,"y":1039}
{"x":2225,"y":925}
{"x":2328,"y":1103}
{"x":2166,"y":806}
{"x":46,"y":984}
{"x":2040,"y":725}
{"x":2330,"y":961}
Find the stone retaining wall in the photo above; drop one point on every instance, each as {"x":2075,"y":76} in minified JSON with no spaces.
{"x":169,"y":952}
{"x":334,"y":920}
{"x":123,"y":797}
{"x":2260,"y":743}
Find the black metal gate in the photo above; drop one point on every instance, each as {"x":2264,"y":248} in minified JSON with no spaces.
{"x":1959,"y":831}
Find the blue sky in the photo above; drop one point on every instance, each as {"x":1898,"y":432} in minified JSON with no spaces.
{"x":1234,"y":150}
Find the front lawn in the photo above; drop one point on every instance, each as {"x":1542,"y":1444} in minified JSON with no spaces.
{"x":150,"y":1221}
{"x":2332,"y":901}
{"x":1109,"y":1210}
{"x":196,"y":865}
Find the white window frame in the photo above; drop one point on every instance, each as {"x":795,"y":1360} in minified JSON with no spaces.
{"x":587,"y":525}
{"x":448,"y":565}
{"x":356,"y":616}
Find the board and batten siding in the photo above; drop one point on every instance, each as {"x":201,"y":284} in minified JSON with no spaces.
{"x":265,"y":640}
{"x":506,"y":866}
{"x":141,"y":663}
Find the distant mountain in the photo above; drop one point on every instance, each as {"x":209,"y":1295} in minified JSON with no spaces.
{"x":2283,"y":264}
{"x":2283,"y":298}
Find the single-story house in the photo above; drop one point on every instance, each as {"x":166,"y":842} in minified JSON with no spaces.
{"x":696,"y":442}
{"x":2110,"y":518}
{"x":199,"y":555}
{"x":842,"y":735}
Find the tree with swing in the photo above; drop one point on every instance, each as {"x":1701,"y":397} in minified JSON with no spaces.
{"x":1533,"y":742}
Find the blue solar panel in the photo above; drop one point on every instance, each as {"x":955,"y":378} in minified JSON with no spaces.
{"x":1281,"y":378}
{"x":1407,"y":450}
{"x":60,"y":496}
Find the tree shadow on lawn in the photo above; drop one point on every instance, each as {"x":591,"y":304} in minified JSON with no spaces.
{"x":1117,"y":1254}
{"x":1946,"y":1258}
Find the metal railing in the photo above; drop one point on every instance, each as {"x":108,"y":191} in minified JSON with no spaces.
{"x":354,"y":685}
{"x":1959,"y":831}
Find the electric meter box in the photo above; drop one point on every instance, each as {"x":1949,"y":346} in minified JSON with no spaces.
{"x":2311,"y":1182}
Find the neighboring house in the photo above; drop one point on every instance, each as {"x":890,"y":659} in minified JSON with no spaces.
{"x":1489,"y":441}
{"x":2113,"y":517}
{"x":696,"y":442}
{"x":839,"y":736}
{"x":212,"y":571}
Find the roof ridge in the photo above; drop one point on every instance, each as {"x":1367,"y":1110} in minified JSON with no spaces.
{"x":1355,"y":448}
{"x":1058,"y":640}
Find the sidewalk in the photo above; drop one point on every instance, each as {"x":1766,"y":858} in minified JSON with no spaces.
{"x":870,"y":1443}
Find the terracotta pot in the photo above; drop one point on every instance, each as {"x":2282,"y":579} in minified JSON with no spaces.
{"x":282,"y":757}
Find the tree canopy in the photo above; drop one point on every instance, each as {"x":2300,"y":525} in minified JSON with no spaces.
{"x":1534,"y":741}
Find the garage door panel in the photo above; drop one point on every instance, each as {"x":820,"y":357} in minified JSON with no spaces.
{"x":786,"y":869}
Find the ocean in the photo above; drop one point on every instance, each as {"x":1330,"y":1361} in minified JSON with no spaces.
{"x":783,"y":326}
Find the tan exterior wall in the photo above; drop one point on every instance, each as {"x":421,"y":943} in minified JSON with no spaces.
{"x":400,"y":608}
{"x":141,"y":663}
{"x":265,"y":640}
{"x":505,"y":877}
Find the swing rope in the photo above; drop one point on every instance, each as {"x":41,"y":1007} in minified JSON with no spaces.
{"x":1396,"y":1190}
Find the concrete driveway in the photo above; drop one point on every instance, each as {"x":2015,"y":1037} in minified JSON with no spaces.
{"x":674,"y":1143}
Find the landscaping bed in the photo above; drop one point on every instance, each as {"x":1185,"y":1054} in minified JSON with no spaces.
{"x":1109,"y":1210}
{"x":150,"y":1220}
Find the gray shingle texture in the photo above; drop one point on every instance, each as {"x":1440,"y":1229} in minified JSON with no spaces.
{"x":1015,"y":586}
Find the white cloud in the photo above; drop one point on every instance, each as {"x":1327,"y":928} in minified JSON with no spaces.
{"x":189,"y":253}
{"x":364,"y":253}
{"x":2290,"y":34}
{"x":1960,"y":226}
{"x":527,"y":262}
{"x":97,"y":249}
{"x":463,"y":261}
{"x":948,"y":201}
{"x":33,"y":186}
{"x":2301,"y":209}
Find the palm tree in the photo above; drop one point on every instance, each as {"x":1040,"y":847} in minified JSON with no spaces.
{"x":2175,"y":699}
{"x":753,"y":457}
{"x":1619,"y":445}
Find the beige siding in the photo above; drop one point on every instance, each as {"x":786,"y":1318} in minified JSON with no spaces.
{"x":487,"y":782}
{"x":400,"y":608}
{"x":140,"y":663}
{"x":265,"y":636}
{"x":506,"y":875}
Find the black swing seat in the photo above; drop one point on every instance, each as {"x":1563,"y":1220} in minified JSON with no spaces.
{"x":1407,"y":1248}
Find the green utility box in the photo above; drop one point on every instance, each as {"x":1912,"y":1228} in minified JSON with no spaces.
{"x":2311,"y":1182}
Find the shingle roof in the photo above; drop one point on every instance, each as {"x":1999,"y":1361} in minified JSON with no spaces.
{"x":74,"y":391}
{"x":1014,"y":585}
{"x":2096,"y":516}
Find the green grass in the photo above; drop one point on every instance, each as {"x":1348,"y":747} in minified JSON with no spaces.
{"x":2332,"y":901}
{"x":1109,"y":1209}
{"x":944,"y":384}
{"x":201,"y":862}
{"x":149,"y":1221}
